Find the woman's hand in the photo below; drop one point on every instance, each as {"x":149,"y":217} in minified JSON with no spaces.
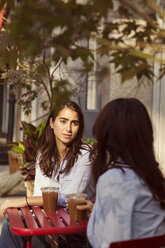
{"x":16,"y":202}
{"x":88,"y":207}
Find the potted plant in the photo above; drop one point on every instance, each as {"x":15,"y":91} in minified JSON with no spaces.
{"x":26,"y":152}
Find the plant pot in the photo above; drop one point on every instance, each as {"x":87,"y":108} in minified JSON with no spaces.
{"x":13,"y":162}
{"x":29,"y":187}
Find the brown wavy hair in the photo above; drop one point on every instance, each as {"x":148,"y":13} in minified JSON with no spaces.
{"x":123,"y":130}
{"x":47,"y":148}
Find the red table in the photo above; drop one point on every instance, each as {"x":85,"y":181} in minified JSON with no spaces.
{"x":34,"y":221}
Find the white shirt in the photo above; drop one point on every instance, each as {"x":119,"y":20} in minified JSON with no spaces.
{"x":69,"y":183}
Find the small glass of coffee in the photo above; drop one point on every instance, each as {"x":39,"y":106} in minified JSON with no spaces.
{"x":73,"y":201}
{"x":50,"y":198}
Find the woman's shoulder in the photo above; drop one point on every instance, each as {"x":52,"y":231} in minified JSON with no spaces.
{"x":85,"y":149}
{"x":116,"y":177}
{"x":83,"y":155}
{"x":111,"y":176}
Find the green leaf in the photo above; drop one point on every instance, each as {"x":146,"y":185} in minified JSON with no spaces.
{"x":40,"y":128}
{"x":28,"y":126}
{"x":17,"y":150}
{"x":90,"y":141}
{"x":21,"y":146}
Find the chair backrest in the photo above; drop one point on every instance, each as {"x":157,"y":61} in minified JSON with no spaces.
{"x":152,"y":242}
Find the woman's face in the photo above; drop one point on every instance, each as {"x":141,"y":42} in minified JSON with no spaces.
{"x":65,"y":126}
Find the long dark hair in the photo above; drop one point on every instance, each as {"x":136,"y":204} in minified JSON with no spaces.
{"x":47,"y":148}
{"x":123,"y":130}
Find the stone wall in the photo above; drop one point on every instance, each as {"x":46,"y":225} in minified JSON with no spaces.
{"x":112,"y":88}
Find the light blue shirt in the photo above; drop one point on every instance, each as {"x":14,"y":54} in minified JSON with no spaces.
{"x":77,"y":179}
{"x":124,"y":209}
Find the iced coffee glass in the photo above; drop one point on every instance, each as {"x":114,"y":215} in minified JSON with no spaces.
{"x":73,"y":201}
{"x":50,"y":198}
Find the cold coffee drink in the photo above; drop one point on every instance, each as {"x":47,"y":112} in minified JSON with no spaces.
{"x":50,"y":198}
{"x":73,"y":201}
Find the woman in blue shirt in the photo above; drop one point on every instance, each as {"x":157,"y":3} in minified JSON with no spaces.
{"x":130,"y":188}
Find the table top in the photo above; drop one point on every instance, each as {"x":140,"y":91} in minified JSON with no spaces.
{"x":35,"y":221}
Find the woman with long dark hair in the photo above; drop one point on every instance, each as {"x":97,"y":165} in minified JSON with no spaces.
{"x":62,"y":160}
{"x":130,"y":188}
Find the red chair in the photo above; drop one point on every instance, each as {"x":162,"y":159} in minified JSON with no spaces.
{"x":152,"y":242}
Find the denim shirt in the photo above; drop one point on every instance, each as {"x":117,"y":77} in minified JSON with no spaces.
{"x":124,"y":209}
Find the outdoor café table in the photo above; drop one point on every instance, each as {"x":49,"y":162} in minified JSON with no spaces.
{"x":34,"y":221}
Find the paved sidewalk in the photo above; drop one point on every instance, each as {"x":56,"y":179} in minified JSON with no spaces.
{"x":4,"y":169}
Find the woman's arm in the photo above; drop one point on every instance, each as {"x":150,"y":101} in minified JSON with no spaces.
{"x":20,"y":202}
